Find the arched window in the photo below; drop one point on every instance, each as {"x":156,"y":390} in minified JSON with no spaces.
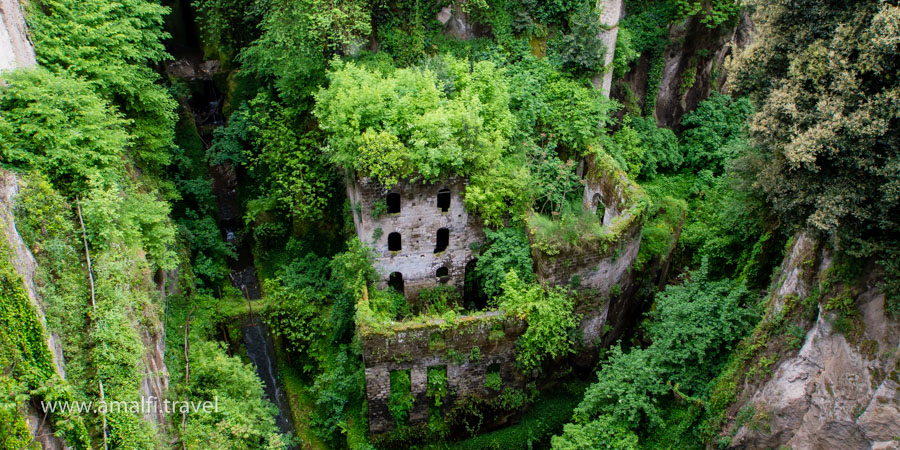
{"x":443,"y":240}
{"x":394,"y":242}
{"x":442,"y":272}
{"x":393,"y":203}
{"x":395,"y":281}
{"x":598,"y":206}
{"x":443,"y":200}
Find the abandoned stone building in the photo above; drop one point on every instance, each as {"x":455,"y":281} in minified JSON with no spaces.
{"x":422,"y":236}
{"x":421,"y":233}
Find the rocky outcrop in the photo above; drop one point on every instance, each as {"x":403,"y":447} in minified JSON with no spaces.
{"x":155,"y":381}
{"x":610,"y":13}
{"x":24,"y":264}
{"x":693,"y":67}
{"x":840,"y":390}
{"x":15,"y":47}
{"x":458,"y":24}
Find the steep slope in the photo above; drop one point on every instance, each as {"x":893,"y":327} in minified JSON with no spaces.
{"x":840,"y":389}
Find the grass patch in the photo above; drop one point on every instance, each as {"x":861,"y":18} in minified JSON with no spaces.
{"x":546,"y":417}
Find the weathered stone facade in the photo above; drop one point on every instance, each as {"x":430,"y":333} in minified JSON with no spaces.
{"x":418,"y":223}
{"x":600,"y":269}
{"x":416,"y":347}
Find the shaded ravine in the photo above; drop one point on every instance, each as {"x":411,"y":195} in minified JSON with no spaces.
{"x":207,"y":111}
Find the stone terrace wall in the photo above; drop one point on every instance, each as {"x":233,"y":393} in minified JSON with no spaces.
{"x":416,"y":347}
{"x":417,"y":222}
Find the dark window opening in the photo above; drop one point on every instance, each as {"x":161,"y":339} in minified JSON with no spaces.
{"x":394,"y":242}
{"x":395,"y":281}
{"x":443,"y":240}
{"x":598,"y":206}
{"x":393,"y":203}
{"x":443,"y":200}
{"x":400,"y":394}
{"x":442,"y":272}
{"x":474,"y":298}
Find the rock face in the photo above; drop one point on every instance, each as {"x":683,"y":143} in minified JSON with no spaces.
{"x":156,"y":377}
{"x":838,"y":391}
{"x":610,"y":13}
{"x":15,"y":47}
{"x":693,"y":66}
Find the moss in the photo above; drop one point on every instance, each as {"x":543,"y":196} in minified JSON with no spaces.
{"x":24,"y":354}
{"x":869,"y":348}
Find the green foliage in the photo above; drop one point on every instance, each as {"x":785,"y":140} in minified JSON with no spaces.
{"x":731,"y":226}
{"x":502,"y":194}
{"x":555,"y":181}
{"x":603,"y":433}
{"x":401,"y":399}
{"x":707,"y":315}
{"x":437,"y":385}
{"x":550,"y":317}
{"x":79,"y":142}
{"x":493,"y":381}
{"x":625,"y":52}
{"x":554,"y":110}
{"x":824,"y":128}
{"x":395,"y":125}
{"x":581,"y":50}
{"x":112,"y":45}
{"x":712,"y":13}
{"x":439,"y":299}
{"x":227,"y":26}
{"x":297,"y":40}
{"x":294,"y":316}
{"x":26,"y":365}
{"x":62,"y":128}
{"x":627,"y":148}
{"x":692,"y":329}
{"x":658,"y":234}
{"x":244,"y":418}
{"x":546,"y":416}
{"x":289,"y":165}
{"x":715,"y":132}
{"x":388,"y":304}
{"x":661,"y":150}
{"x":508,"y":250}
{"x":339,"y":390}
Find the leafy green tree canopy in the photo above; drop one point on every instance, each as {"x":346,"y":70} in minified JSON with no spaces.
{"x":412,"y":123}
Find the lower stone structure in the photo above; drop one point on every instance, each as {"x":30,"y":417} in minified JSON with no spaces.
{"x":599,"y":270}
{"x":437,"y":343}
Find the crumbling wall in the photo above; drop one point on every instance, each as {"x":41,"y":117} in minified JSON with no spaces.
{"x":417,"y":223}
{"x":600,"y":267}
{"x":418,"y":346}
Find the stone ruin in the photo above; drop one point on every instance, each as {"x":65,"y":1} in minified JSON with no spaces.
{"x":475,"y":345}
{"x":421,"y":233}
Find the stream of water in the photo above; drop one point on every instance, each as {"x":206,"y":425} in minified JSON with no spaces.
{"x":256,"y":339}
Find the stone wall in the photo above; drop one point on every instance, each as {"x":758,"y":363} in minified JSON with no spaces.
{"x":599,"y":269}
{"x":417,"y":223}
{"x":418,"y":346}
